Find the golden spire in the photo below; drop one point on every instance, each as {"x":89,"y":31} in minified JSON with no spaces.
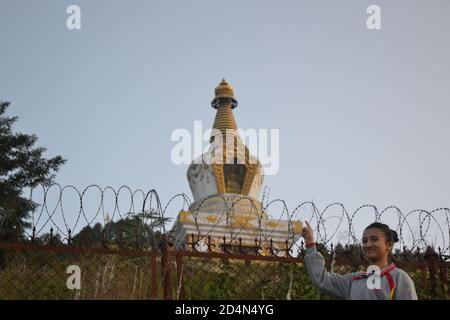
{"x":224,"y":102}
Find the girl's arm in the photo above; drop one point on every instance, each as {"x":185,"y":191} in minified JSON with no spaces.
{"x":327,"y":282}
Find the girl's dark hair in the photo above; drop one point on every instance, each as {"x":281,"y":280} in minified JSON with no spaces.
{"x":391,"y":235}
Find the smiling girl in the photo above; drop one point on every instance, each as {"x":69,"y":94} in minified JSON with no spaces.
{"x":378,"y":240}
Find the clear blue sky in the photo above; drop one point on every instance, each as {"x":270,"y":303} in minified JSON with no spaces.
{"x":363,"y":115}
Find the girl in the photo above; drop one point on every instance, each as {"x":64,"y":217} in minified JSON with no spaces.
{"x":378,"y":240}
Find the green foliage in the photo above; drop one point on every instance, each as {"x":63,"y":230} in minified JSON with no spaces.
{"x":245,"y":279}
{"x":134,"y":230}
{"x":22,"y":165}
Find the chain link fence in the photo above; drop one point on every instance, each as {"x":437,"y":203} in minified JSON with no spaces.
{"x":36,"y":271}
{"x":45,"y":272}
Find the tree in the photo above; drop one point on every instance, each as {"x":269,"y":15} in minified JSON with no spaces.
{"x":88,"y":236}
{"x":134,"y":229}
{"x":22,"y":165}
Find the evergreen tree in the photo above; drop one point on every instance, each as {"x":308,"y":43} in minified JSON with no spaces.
{"x":22,"y":165}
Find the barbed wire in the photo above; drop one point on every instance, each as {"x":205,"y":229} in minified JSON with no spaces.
{"x":334,"y":224}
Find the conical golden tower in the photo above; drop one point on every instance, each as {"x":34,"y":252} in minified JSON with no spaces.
{"x":224,"y":102}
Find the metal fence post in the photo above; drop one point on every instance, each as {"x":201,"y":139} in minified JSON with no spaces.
{"x":443,"y":274}
{"x":432,"y":258}
{"x":180,"y":271}
{"x":165,"y":268}
{"x":444,"y":278}
{"x":154,"y":275}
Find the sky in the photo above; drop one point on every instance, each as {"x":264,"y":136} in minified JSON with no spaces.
{"x":363,"y":114}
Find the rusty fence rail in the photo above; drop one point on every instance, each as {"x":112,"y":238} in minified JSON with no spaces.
{"x":37,"y":271}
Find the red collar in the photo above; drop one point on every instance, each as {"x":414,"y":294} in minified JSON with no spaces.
{"x":388,"y":269}
{"x":363,"y":275}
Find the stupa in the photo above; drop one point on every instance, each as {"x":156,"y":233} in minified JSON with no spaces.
{"x":226,"y":182}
